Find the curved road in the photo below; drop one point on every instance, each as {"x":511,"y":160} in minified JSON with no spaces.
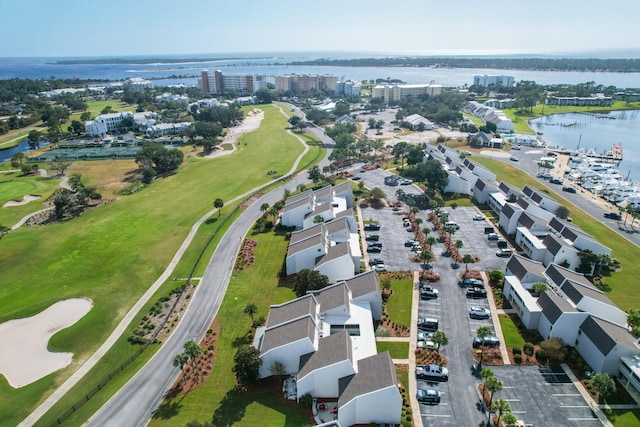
{"x":135,"y":403}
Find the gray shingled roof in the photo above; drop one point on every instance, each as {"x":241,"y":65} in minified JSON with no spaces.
{"x":333,"y":296}
{"x":558,"y":274}
{"x":553,"y":306}
{"x":293,"y":309}
{"x":331,"y":350}
{"x":302,"y":245}
{"x":520,"y":266}
{"x":319,"y":208}
{"x":286,"y":333}
{"x":302,"y":196}
{"x":553,"y":243}
{"x":344,"y":187}
{"x":323,"y":192}
{"x":334,"y":252}
{"x":296,"y":204}
{"x":345,"y":213}
{"x":605,"y":335}
{"x":364,"y":283}
{"x":298,"y":236}
{"x":374,"y":373}
{"x":336,"y":225}
{"x":576,"y":291}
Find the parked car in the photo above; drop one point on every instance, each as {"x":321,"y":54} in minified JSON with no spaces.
{"x":372,"y":227}
{"x":476,"y":292}
{"x":473,"y":282}
{"x":356,"y":178}
{"x":613,"y":215}
{"x":492,"y":236}
{"x":375,"y":244}
{"x":425,"y":336}
{"x":569,"y":189}
{"x":504,"y":252}
{"x":374,"y":261}
{"x":428,"y":294}
{"x":489,"y":341}
{"x":410,"y":243}
{"x":502,"y":243}
{"x":409,"y":229}
{"x":374,"y":249}
{"x":372,"y":237}
{"x":432,"y":372}
{"x":515,"y":147}
{"x":380,"y":267}
{"x":426,"y":324}
{"x":513,"y":158}
{"x":426,"y":345}
{"x":479,"y":313}
{"x":406,"y":182}
{"x":478,"y":217}
{"x":428,"y":396}
{"x":545,"y":175}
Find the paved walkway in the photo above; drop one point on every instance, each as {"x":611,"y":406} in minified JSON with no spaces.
{"x":496,"y":320}
{"x":61,"y":391}
{"x":413,"y":336}
{"x":587,"y":397}
{"x":393,"y":339}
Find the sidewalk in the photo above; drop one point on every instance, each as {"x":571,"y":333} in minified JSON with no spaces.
{"x":496,"y":320}
{"x":413,"y":337}
{"x":587,"y":397}
{"x":393,"y":339}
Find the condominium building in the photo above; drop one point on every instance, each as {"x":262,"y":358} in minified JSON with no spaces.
{"x":397,"y":92}
{"x":348,"y":88}
{"x":136,"y":84}
{"x":487,"y":80}
{"x":217,"y":82}
{"x":300,"y":83}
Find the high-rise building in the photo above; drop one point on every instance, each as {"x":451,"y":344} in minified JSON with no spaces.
{"x":299,"y":83}
{"x":217,"y":82}
{"x":486,"y":81}
{"x":394,"y":93}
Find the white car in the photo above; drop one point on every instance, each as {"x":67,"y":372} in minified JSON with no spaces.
{"x":427,"y":345}
{"x":479,"y":313}
{"x":425,"y":336}
{"x":478,"y":217}
{"x":380,"y":267}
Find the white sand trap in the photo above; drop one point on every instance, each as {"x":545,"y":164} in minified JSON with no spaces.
{"x":25,"y":357}
{"x":26,"y":199}
{"x":249,"y":124}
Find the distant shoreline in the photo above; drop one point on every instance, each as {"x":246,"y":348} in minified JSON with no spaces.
{"x":140,"y":61}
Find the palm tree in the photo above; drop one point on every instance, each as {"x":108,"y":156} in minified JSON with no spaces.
{"x":218,"y":204}
{"x":192,"y":351}
{"x":251,"y":309}
{"x":440,"y":338}
{"x":509,"y":419}
{"x":492,"y":385}
{"x":425,"y":257}
{"x":502,"y":407}
{"x":264,"y":207}
{"x":467,"y":259}
{"x":414,"y":210}
{"x":180,"y":361}
{"x":482,"y":332}
{"x":301,"y":187}
{"x":431,"y":241}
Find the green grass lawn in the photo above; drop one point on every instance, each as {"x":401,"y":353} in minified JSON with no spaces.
{"x":397,"y":350}
{"x":399,"y":304}
{"x":112,"y":254}
{"x":625,"y":417}
{"x":623,"y":290}
{"x":512,"y":337}
{"x":216,"y":398}
{"x":14,"y":186}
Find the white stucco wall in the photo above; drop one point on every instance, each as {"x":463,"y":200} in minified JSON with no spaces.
{"x":367,"y":408}
{"x":324,"y":382}
{"x":288,"y":355}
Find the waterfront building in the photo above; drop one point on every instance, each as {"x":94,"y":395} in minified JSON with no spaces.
{"x":592,"y":101}
{"x":397,"y":92}
{"x":136,"y":84}
{"x":217,"y":82}
{"x":300,"y":83}
{"x":489,"y":81}
{"x":108,"y":123}
{"x":347,"y":88}
{"x":166,"y":98}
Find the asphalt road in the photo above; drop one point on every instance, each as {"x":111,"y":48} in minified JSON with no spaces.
{"x":135,"y":403}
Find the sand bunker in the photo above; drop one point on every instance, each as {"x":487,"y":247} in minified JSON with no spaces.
{"x":249,"y":124}
{"x":25,"y":357}
{"x":26,"y":199}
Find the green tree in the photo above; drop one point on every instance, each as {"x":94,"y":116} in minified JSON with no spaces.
{"x":315,"y":175}
{"x":509,"y":419}
{"x":440,"y":339}
{"x":192,"y":350}
{"x":540,"y":287}
{"x":17,"y":160}
{"x":278,"y":369}
{"x":61,"y":202}
{"x":34,"y":139}
{"x":415,"y":155}
{"x":264,"y":96}
{"x":218,"y":204}
{"x":377,"y":194}
{"x":633,"y":319}
{"x":264,"y":207}
{"x":107,"y":110}
{"x":60,"y":164}
{"x":555,"y":348}
{"x":247,"y":364}
{"x":425,"y":257}
{"x":301,"y":188}
{"x":180,"y":361}
{"x":467,"y":259}
{"x":294,"y":120}
{"x":431,"y":241}
{"x":603,"y":384}
{"x":562,"y":212}
{"x":75,"y":181}
{"x":493,"y":385}
{"x":482,"y":332}
{"x":501,"y":407}
{"x":309,"y":280}
{"x":318,"y":219}
{"x":399,"y":151}
{"x":251,"y":309}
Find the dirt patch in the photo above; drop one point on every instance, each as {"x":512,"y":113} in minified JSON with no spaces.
{"x":251,"y":200}
{"x":196,"y":372}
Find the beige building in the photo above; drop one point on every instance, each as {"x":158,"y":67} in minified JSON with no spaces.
{"x":299,"y":83}
{"x":394,"y":93}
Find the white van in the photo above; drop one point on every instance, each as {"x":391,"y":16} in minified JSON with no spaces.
{"x":452,"y":224}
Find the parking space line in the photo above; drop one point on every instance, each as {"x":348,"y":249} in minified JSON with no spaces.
{"x":574,"y":406}
{"x":565,"y":394}
{"x":583,"y":419}
{"x":435,"y":415}
{"x":512,"y":400}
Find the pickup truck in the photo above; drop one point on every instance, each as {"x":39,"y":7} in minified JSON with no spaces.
{"x":432,"y":372}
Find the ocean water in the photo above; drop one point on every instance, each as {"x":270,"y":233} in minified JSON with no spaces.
{"x":45,"y":68}
{"x":597,"y":133}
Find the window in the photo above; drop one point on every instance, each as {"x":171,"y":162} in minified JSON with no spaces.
{"x":352,"y":330}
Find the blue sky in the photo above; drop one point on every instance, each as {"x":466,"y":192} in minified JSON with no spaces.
{"x":164,"y":27}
